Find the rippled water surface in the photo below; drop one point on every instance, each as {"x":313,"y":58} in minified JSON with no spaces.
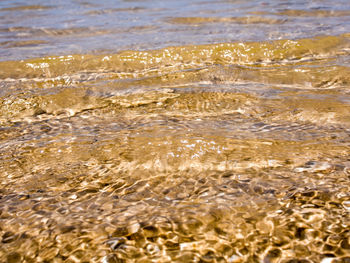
{"x":175,"y":131}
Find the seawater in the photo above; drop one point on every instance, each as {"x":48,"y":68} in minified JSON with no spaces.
{"x":174,"y":131}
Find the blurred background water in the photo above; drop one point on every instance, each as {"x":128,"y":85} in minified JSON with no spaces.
{"x":40,"y":28}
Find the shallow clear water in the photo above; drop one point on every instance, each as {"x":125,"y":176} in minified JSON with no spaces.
{"x":142,"y":131}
